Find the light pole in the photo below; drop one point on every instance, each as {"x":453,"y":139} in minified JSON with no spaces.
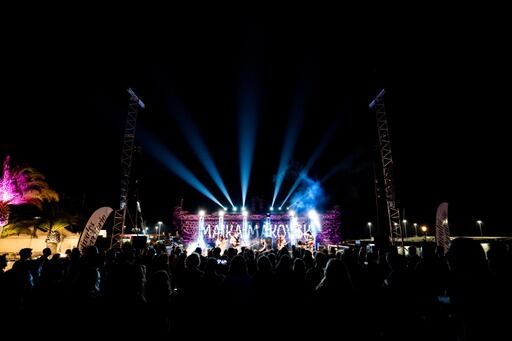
{"x":424,"y":229}
{"x":159,"y":229}
{"x":479,"y":222}
{"x":370,"y":229}
{"x":415,"y":228}
{"x":405,"y":227}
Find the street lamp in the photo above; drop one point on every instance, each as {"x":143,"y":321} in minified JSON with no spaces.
{"x":370,"y":229}
{"x":479,"y":222}
{"x":405,"y":227}
{"x":159,"y":229}
{"x":415,"y":228}
{"x":424,"y":230}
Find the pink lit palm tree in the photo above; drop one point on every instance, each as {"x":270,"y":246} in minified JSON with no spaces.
{"x":22,"y":185}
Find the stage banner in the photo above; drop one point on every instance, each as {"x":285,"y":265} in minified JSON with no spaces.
{"x":93,"y":227}
{"x":442,"y":229}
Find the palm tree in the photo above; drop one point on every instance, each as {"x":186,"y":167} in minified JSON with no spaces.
{"x":27,"y":219}
{"x":22,"y":185}
{"x":52,"y":222}
{"x":18,"y":227}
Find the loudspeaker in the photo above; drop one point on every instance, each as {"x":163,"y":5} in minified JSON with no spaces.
{"x":139,"y":242}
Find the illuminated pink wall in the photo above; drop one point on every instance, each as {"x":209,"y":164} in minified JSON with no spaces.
{"x":186,"y":223}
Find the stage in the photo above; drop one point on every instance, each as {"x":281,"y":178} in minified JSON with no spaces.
{"x":258,"y":231}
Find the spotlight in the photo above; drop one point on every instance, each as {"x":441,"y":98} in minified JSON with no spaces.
{"x":245,"y":213}
{"x":288,"y":208}
{"x":312,"y":214}
{"x":234,"y":208}
{"x":280,"y":208}
{"x":201,"y":213}
{"x":271,"y":208}
{"x":221,"y":213}
{"x":244,"y":209}
{"x":291,"y":213}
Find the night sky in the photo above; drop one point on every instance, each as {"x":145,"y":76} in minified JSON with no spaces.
{"x":64,"y":103}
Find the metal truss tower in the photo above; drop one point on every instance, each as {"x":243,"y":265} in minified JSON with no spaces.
{"x":126,"y":166}
{"x":393,"y":212}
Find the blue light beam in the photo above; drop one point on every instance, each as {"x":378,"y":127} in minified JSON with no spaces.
{"x":171,"y":162}
{"x":316,"y":154}
{"x":347,"y":163}
{"x":247,"y":136}
{"x":289,"y":144}
{"x":311,"y":195}
{"x":196,"y":142}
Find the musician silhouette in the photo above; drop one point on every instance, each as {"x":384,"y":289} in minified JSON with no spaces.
{"x":310,"y":240}
{"x":235,"y":239}
{"x":281,"y":241}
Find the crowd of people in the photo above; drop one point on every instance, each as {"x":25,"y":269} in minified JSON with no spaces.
{"x":360,"y":292}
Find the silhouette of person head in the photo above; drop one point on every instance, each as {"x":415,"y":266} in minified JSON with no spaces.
{"x":466,"y":257}
{"x":25,"y":253}
{"x":3,"y":262}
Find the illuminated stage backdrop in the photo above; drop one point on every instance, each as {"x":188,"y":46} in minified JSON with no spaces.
{"x":191,"y":227}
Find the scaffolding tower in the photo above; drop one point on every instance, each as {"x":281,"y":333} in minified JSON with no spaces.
{"x":126,"y":165}
{"x":393,"y":212}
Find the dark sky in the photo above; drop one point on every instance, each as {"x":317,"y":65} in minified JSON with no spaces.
{"x":64,"y":104}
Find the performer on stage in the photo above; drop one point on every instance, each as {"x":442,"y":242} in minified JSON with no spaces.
{"x":310,"y":241}
{"x":281,"y":241}
{"x":221,"y":242}
{"x":235,"y":240}
{"x":262,"y":247}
